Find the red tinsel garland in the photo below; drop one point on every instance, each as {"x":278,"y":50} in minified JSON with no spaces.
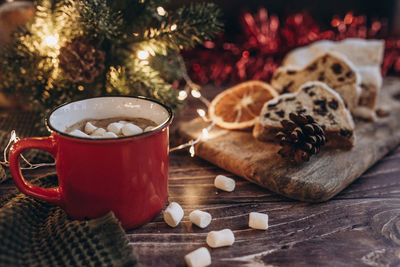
{"x":266,"y":41}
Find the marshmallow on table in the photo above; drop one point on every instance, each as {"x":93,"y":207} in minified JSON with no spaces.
{"x":224,"y":183}
{"x":131,"y":129}
{"x":99,"y":132}
{"x":258,"y":220}
{"x":115,"y":127}
{"x":173,"y":214}
{"x":198,"y":258}
{"x":109,"y":135}
{"x":216,"y":239}
{"x":89,"y":128}
{"x":200,"y":218}
{"x":78,"y":133}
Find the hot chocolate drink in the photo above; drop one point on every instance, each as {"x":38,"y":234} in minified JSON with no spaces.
{"x":111,"y":127}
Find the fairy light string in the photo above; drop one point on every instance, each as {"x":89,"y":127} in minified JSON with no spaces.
{"x":203,"y":136}
{"x":195,"y":92}
{"x":13,"y":139}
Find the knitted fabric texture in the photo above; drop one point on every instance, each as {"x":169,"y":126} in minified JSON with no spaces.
{"x":37,"y":233}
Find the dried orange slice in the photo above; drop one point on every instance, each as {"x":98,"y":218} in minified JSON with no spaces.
{"x":238,"y":107}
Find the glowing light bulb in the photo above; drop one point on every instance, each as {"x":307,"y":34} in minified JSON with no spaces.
{"x":191,"y":151}
{"x":196,"y":93}
{"x":182,"y":95}
{"x":143,"y":54}
{"x":201,"y":112}
{"x":173,"y":27}
{"x":51,"y":40}
{"x":205,"y":133}
{"x":161,"y":11}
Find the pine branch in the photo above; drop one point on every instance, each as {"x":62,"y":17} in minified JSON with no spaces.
{"x":34,"y":78}
{"x":28,"y":72}
{"x":95,"y":18}
{"x":137,"y":14}
{"x":27,"y":62}
{"x":188,"y":26}
{"x":141,"y":79}
{"x":29,"y":65}
{"x":169,"y":66}
{"x":118,"y":81}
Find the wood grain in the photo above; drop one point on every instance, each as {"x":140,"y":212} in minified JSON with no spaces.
{"x":324,"y":176}
{"x":357,"y":227}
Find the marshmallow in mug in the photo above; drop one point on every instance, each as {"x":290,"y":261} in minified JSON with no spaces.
{"x":148,"y":128}
{"x":115,"y":127}
{"x":89,"y":128}
{"x":131,"y":129}
{"x":78,"y":133}
{"x":98,"y":132}
{"x":110,"y":135}
{"x":113,"y":130}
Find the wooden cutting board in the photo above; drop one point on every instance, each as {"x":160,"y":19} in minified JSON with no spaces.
{"x":324,"y":176}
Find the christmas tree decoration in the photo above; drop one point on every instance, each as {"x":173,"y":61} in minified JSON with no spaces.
{"x":300,"y":138}
{"x":74,"y":49}
{"x":80,"y":60}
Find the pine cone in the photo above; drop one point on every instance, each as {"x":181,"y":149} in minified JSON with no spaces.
{"x":80,"y":60}
{"x":300,"y":138}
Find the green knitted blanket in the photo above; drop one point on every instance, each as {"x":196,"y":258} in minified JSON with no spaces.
{"x":37,"y":233}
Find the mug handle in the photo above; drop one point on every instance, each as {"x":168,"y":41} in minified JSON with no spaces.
{"x":48,"y":144}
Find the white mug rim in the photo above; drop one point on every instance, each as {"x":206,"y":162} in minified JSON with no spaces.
{"x":52,"y":129}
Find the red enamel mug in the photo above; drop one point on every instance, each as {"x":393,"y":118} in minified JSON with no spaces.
{"x":126,"y":175}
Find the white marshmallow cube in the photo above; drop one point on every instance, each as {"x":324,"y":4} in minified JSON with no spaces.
{"x":224,"y":183}
{"x":200,"y":218}
{"x":109,"y":135}
{"x":173,"y":214}
{"x":99,"y":132}
{"x":148,"y":128}
{"x":258,"y":220}
{"x":89,"y":128}
{"x":198,"y":258}
{"x":131,"y":129}
{"x":115,"y":127}
{"x":216,"y":239}
{"x":123,"y":122}
{"x":78,"y":133}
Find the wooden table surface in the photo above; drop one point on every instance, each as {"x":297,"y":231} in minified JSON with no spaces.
{"x":358,"y":227}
